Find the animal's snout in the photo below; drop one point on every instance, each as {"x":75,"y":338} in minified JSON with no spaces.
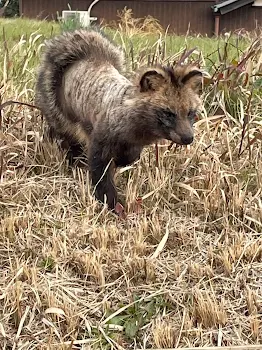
{"x":186,"y":140}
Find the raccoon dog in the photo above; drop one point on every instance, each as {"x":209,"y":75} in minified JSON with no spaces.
{"x":91,"y":105}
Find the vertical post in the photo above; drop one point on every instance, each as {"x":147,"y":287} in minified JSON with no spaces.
{"x":20,"y":8}
{"x":217,"y":22}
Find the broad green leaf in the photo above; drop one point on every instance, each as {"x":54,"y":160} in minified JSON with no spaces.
{"x":131,"y":328}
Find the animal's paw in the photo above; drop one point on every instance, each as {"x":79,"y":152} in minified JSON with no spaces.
{"x":120,"y":210}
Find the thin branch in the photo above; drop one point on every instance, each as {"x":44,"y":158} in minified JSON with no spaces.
{"x":8,"y":103}
{"x":245,"y":123}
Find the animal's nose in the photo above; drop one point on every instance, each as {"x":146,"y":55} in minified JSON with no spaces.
{"x":186,"y":140}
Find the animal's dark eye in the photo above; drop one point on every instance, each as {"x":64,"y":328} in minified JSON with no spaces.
{"x":167,"y":118}
{"x":171,"y":115}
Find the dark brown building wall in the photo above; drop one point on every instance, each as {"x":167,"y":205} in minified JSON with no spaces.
{"x":247,"y":17}
{"x":195,"y":15}
{"x":179,"y":15}
{"x":48,"y":8}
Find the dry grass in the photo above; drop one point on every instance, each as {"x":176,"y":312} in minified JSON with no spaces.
{"x":131,"y":26}
{"x":184,"y":270}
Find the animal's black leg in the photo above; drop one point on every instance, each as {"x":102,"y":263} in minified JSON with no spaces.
{"x":75,"y":154}
{"x":102,"y":172}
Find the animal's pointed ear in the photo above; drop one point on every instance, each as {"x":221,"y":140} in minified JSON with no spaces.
{"x":151,"y":80}
{"x":193,"y":79}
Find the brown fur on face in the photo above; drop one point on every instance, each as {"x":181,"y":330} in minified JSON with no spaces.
{"x":173,"y":91}
{"x":88,"y":103}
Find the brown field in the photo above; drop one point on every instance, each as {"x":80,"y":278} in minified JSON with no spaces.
{"x":185,"y":268}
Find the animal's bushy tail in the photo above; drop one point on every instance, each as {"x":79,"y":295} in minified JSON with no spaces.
{"x":69,"y":47}
{"x":61,"y":52}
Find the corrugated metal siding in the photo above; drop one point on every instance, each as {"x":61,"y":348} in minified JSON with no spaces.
{"x":247,"y":17}
{"x":178,"y":15}
{"x":182,"y":15}
{"x":48,"y":8}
